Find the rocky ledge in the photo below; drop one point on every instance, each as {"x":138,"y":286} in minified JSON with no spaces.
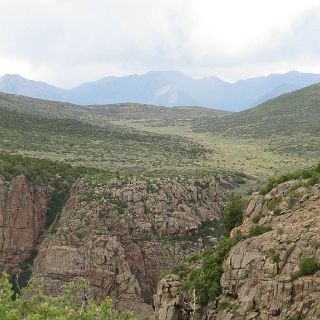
{"x":272,"y":273}
{"x":23,"y":209}
{"x":124,"y":235}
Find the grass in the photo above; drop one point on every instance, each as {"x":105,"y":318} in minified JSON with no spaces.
{"x":226,"y":152}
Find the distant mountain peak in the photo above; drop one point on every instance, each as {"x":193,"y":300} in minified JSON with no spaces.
{"x":167,"y":88}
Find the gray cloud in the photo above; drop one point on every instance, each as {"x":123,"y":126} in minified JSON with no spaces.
{"x":68,"y":41}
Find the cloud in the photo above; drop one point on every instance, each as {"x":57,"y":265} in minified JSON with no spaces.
{"x":66,"y":42}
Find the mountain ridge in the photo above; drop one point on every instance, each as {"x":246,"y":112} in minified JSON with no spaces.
{"x":168,"y":88}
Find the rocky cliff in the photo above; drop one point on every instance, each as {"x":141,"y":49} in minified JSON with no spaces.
{"x":272,"y":273}
{"x":124,"y":235}
{"x":23,"y":210}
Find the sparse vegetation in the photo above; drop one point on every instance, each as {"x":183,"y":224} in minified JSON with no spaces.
{"x":274,"y":123}
{"x":312,"y":174}
{"x":257,"y":230}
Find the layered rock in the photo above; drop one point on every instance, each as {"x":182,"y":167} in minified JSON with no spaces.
{"x":123,"y":236}
{"x":23,"y":210}
{"x":169,"y":299}
{"x":262,"y":277}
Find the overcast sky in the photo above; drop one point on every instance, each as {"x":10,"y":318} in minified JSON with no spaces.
{"x":67,"y":42}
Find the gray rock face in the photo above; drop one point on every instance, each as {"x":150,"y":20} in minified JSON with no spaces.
{"x":169,"y":300}
{"x":261,"y":278}
{"x":260,"y":271}
{"x":122,"y":236}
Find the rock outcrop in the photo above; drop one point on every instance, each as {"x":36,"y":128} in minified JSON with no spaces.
{"x":123,"y":236}
{"x":23,"y":210}
{"x":262,"y":276}
{"x":169,"y":298}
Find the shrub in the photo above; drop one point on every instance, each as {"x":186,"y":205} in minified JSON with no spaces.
{"x":35,"y":304}
{"x":308,"y":266}
{"x":276,"y":258}
{"x":257,"y":230}
{"x":181,"y":270}
{"x":257,"y":217}
{"x":205,"y":279}
{"x":272,"y":203}
{"x":192,"y":258}
{"x":280,"y":231}
{"x":233,"y":212}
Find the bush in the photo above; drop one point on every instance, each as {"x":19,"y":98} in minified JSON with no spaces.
{"x":257,"y":217}
{"x":35,"y":304}
{"x":205,"y":279}
{"x":308,"y":266}
{"x":181,"y":270}
{"x":233,"y":212}
{"x":257,"y":230}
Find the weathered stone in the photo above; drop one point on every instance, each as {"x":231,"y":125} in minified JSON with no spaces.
{"x":258,"y":281}
{"x":116,"y":243}
{"x":22,"y":216}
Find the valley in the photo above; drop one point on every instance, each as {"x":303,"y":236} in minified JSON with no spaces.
{"x":159,"y":160}
{"x":133,"y":197}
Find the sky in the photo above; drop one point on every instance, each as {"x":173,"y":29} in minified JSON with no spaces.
{"x":68,"y":42}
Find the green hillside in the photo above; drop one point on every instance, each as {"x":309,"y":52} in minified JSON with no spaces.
{"x":102,"y":114}
{"x":109,"y":147}
{"x":279,"y":135}
{"x":287,"y":124}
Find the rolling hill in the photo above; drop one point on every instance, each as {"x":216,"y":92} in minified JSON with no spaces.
{"x":84,"y":136}
{"x":289,"y":123}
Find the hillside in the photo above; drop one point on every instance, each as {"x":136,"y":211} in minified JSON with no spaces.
{"x":111,"y":147}
{"x":267,"y":269}
{"x":14,"y":83}
{"x":287,"y":124}
{"x":85,"y":135}
{"x":102,"y":114}
{"x":167,"y":88}
{"x":154,"y":197}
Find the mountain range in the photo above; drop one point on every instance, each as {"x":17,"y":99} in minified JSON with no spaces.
{"x":167,"y":88}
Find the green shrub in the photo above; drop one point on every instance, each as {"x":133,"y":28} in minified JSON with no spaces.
{"x":194,"y":257}
{"x":280,"y":231}
{"x":272,"y":203}
{"x":233,"y":212}
{"x":35,"y":304}
{"x":225,"y":305}
{"x":257,"y":217}
{"x":257,"y":230}
{"x":205,"y":279}
{"x":181,"y":270}
{"x":308,"y":266}
{"x":276,"y":258}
